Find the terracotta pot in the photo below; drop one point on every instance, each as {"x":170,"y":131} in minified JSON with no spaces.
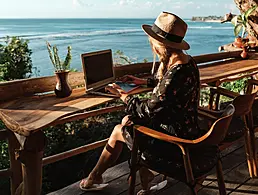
{"x":244,"y":53}
{"x":62,"y":89}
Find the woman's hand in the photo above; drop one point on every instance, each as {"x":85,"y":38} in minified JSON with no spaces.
{"x":116,"y":90}
{"x":133,"y":79}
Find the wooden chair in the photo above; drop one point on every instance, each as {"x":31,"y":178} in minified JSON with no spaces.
{"x":241,"y":123}
{"x":252,"y":87}
{"x":192,"y":159}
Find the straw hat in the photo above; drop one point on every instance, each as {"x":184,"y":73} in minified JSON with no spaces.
{"x":168,"y":29}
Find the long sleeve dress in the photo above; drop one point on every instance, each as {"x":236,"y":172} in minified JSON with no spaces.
{"x":172,"y":109}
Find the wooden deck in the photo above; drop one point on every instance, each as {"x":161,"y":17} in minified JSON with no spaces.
{"x":235,"y":172}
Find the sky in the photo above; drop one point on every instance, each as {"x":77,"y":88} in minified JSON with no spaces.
{"x":113,"y":8}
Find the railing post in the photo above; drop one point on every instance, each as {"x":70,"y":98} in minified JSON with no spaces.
{"x":31,"y":156}
{"x":15,"y":165}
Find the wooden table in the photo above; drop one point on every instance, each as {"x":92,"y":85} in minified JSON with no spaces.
{"x":222,"y":70}
{"x":26,"y":115}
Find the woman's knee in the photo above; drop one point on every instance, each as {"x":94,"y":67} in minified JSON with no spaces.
{"x":126,"y":121}
{"x":117,"y":133}
{"x":117,"y":130}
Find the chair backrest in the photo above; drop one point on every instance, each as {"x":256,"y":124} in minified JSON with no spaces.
{"x":219,"y":128}
{"x":243,"y":104}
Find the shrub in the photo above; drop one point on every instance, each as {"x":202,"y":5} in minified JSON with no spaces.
{"x":15,"y":60}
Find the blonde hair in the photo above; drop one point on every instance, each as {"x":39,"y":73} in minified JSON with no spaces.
{"x":164,"y":53}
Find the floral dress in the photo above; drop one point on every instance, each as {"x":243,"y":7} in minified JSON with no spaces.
{"x":172,"y":109}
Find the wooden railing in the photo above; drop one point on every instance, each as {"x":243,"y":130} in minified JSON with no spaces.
{"x":29,"y":87}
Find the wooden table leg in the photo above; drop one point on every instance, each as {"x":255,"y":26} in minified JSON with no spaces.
{"x":15,"y":165}
{"x":31,"y":156}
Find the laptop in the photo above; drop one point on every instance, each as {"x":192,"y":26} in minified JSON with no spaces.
{"x":99,"y":72}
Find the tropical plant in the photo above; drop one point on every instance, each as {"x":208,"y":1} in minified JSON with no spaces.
{"x":15,"y":59}
{"x":59,"y":65}
{"x":240,"y":21}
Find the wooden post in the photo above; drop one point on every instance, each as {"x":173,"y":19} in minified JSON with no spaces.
{"x":15,"y":166}
{"x":31,"y":156}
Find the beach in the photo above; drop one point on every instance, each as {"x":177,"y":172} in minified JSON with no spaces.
{"x":86,"y":35}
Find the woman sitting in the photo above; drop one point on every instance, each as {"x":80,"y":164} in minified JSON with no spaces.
{"x":172,"y":107}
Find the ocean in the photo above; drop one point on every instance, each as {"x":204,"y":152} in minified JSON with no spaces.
{"x":87,"y":35}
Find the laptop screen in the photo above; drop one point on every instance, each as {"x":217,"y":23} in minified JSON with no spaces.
{"x":98,"y":68}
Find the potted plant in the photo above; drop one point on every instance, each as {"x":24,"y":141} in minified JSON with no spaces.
{"x":240,"y":22}
{"x":62,"y":69}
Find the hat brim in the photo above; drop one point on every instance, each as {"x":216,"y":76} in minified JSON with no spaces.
{"x":183,"y":45}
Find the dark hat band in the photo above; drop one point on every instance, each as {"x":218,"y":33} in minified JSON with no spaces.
{"x":168,"y":36}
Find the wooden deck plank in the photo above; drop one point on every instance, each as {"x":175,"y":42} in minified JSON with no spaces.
{"x":236,"y":152}
{"x":249,"y":187}
{"x":111,"y":174}
{"x":118,"y":185}
{"x":233,"y":180}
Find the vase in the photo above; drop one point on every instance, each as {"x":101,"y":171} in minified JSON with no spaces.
{"x":62,"y":89}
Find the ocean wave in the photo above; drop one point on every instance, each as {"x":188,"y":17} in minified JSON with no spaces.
{"x":78,"y":34}
{"x":211,"y":27}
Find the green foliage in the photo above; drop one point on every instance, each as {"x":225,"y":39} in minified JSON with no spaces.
{"x":145,"y":60}
{"x":121,"y":59}
{"x":240,"y":21}
{"x":236,"y":86}
{"x":204,"y":96}
{"x":15,"y":60}
{"x":55,"y":59}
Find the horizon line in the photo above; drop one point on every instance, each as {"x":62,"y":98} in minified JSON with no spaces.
{"x":81,"y":18}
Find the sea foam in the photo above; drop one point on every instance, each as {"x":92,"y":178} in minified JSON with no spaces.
{"x":77,"y":34}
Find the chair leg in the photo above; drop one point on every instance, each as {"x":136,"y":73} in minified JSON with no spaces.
{"x":132,"y":177}
{"x":248,"y":150}
{"x":252,"y":144}
{"x":254,"y":152}
{"x":194,"y":191}
{"x":221,"y":183}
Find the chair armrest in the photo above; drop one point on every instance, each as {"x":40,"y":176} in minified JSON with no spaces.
{"x":163,"y":136}
{"x":206,"y":115}
{"x":181,"y":143}
{"x":209,"y":114}
{"x":224,"y":92}
{"x":252,"y":82}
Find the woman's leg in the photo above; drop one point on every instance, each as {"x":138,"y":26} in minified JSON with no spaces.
{"x":111,"y":152}
{"x":146,"y":177}
{"x":109,"y":155}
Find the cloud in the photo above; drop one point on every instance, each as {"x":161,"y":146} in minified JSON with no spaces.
{"x":76,"y":3}
{"x":159,"y":4}
{"x":149,"y":4}
{"x":126,"y":2}
{"x":82,"y":3}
